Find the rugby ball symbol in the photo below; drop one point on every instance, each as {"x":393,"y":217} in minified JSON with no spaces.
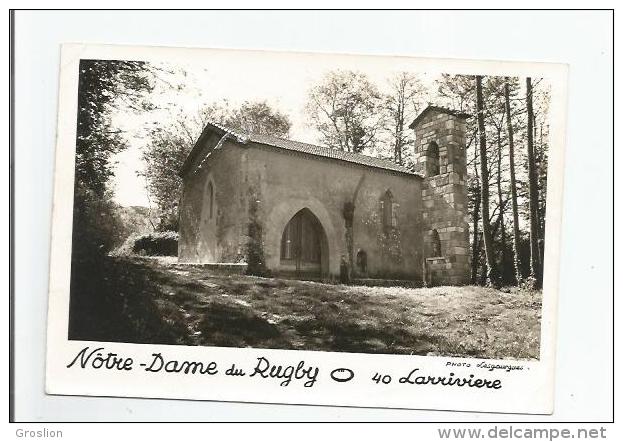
{"x":342,"y":374}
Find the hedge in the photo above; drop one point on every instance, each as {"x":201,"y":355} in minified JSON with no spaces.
{"x":156,"y":244}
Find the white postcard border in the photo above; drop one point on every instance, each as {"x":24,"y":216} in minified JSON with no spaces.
{"x":524,"y":391}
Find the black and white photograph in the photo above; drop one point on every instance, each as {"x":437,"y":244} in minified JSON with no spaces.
{"x":372,"y":210}
{"x":288,"y":226}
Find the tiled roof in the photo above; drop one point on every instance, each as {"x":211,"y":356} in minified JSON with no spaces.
{"x":297,"y":146}
{"x":327,"y":152}
{"x":443,"y":110}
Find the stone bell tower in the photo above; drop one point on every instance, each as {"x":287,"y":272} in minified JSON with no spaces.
{"x":440,"y":158}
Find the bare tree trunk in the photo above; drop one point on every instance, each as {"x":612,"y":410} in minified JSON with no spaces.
{"x":536,"y":155}
{"x":484,"y":186}
{"x":535,"y":261}
{"x":484,"y":271}
{"x":475,"y":239}
{"x":500,"y":199}
{"x":511,"y":160}
{"x":541,"y":207}
{"x":475,"y":220}
{"x":399,"y":131}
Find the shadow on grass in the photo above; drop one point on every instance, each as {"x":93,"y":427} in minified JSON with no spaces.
{"x":229,"y":325}
{"x":337,"y":334}
{"x":141,"y":301}
{"x":123,"y":300}
{"x":113,"y":300}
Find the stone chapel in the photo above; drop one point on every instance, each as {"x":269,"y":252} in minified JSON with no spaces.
{"x":307,"y":211}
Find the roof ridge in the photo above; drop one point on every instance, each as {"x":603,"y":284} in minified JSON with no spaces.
{"x":446,"y":110}
{"x":344,"y":152}
{"x":361,"y":159}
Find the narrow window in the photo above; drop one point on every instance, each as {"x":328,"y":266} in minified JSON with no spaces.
{"x":432,"y":152}
{"x":210,"y":200}
{"x":435,"y":244}
{"x":394,"y":215}
{"x":362,"y":262}
{"x":388,"y":210}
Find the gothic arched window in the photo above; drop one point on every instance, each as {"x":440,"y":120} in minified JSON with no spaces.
{"x":432,"y":152}
{"x":388,"y":210}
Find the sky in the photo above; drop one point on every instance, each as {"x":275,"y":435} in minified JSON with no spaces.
{"x":281,"y":80}
{"x":187,"y":83}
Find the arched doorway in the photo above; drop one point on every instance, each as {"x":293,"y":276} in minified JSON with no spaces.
{"x":303,"y":243}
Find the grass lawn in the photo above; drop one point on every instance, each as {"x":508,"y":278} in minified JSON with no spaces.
{"x":155,"y":301}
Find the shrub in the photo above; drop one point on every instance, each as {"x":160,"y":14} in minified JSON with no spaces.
{"x":127,"y":248}
{"x":97,"y":227}
{"x":156,"y":244}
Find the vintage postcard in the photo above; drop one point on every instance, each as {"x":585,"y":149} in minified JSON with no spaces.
{"x":306,"y":228}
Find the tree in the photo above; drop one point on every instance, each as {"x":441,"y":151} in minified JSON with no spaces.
{"x":170,"y":145}
{"x":484,"y":187}
{"x":402,"y":105}
{"x":535,"y":261}
{"x":541,"y":98}
{"x":501,"y":201}
{"x":163,"y":158}
{"x":103,"y":86}
{"x":495,"y":121}
{"x":457,"y":91}
{"x":474,"y":196}
{"x":258,"y":118}
{"x":346,"y":108}
{"x":513,"y":181}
